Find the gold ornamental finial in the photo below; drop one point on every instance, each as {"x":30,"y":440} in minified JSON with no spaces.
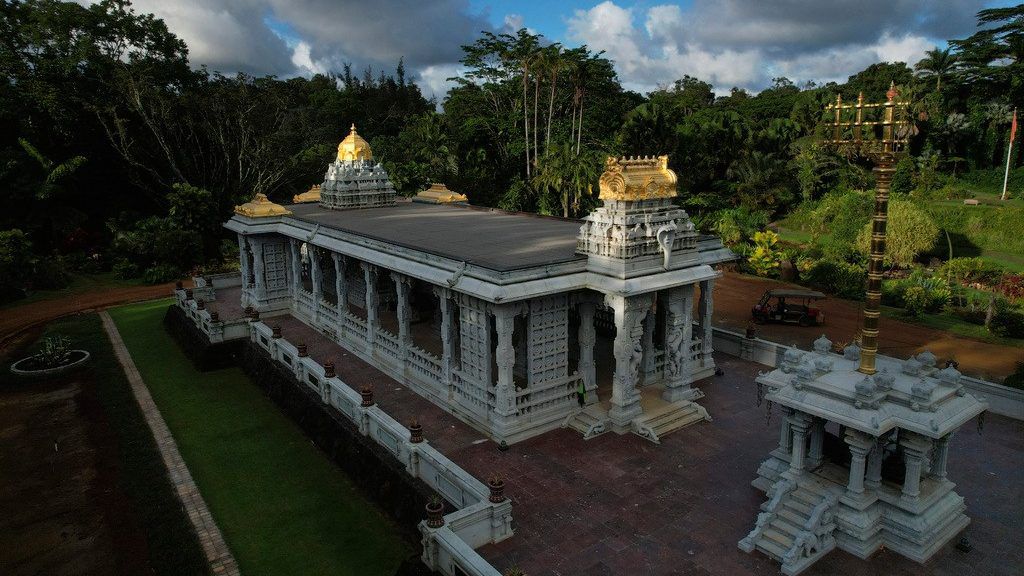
{"x":261,"y":207}
{"x":637,"y":178}
{"x":311,"y":195}
{"x":354,"y":147}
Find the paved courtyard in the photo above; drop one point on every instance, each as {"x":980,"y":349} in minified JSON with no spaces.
{"x":623,"y":505}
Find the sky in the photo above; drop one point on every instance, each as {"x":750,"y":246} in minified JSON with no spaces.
{"x":742,"y":43}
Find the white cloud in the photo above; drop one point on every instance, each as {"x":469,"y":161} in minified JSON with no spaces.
{"x":433,"y":80}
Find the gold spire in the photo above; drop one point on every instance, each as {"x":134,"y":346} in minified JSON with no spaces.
{"x":311,"y":195}
{"x":354,"y":147}
{"x":261,"y":207}
{"x":637,"y":178}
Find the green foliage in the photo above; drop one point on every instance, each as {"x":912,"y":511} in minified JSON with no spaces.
{"x":1008,"y":323}
{"x":765,"y":259}
{"x":1016,"y":380}
{"x":15,"y":263}
{"x":837,"y":277}
{"x":965,"y":271}
{"x":903,"y":178}
{"x":50,"y":273}
{"x":55,"y":352}
{"x":918,"y":293}
{"x":739,"y":225}
{"x":910,"y":232}
{"x":157,"y":246}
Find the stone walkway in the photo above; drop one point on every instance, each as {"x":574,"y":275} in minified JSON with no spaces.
{"x":622,"y":505}
{"x":222,"y":563}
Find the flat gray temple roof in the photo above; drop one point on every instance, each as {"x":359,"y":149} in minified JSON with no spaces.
{"x":493,"y":239}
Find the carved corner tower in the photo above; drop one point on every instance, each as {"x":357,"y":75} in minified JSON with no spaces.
{"x":638,"y":230}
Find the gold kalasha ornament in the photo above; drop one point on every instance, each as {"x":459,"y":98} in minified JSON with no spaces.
{"x":883,"y":141}
{"x":261,"y":207}
{"x":637,"y":178}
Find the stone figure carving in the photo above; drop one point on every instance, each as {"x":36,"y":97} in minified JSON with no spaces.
{"x":673,"y":346}
{"x":666,"y":235}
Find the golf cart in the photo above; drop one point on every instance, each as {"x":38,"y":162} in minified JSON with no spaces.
{"x":789,"y":306}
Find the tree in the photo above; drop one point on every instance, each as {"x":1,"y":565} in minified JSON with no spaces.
{"x":938,"y":63}
{"x":568,"y":177}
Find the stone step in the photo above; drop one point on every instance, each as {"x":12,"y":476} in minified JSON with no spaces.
{"x":782,"y":539}
{"x":792,"y":517}
{"x":786,"y":526}
{"x":801,"y":508}
{"x":664,"y":416}
{"x":771,"y":549}
{"x":805,"y":497}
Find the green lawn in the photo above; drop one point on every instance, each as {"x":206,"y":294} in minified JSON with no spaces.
{"x":172,"y":546}
{"x":952,"y":324}
{"x":283,"y":506}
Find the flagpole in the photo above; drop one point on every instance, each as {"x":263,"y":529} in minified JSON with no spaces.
{"x":1009,"y":151}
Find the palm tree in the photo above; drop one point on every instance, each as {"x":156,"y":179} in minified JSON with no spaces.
{"x":568,"y":175}
{"x":553,"y":63}
{"x":938,"y":63}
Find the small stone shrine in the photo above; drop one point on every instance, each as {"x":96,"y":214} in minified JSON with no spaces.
{"x":354,"y":180}
{"x":861,"y":461}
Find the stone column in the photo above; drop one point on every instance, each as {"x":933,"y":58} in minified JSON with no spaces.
{"x":505,"y":359}
{"x":941,"y":457}
{"x":874,"y":469}
{"x":860,"y":444}
{"x":587,"y":338}
{"x":678,"y":334}
{"x":817,"y":439}
{"x":706,"y":308}
{"x":447,"y":336}
{"x":257,"y":273}
{"x":340,"y":285}
{"x":402,"y":286}
{"x":243,"y":261}
{"x":786,"y":431}
{"x":370,"y":278}
{"x":296,"y":261}
{"x":629,"y":314}
{"x":800,"y":424}
{"x":647,"y":344}
{"x":915,"y":450}
{"x":316,"y":276}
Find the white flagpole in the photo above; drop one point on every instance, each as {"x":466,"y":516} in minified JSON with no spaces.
{"x":1009,"y":150}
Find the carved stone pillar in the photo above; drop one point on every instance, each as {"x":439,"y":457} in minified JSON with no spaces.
{"x":706,"y":309}
{"x":402,"y":286}
{"x":243,"y":261}
{"x":786,"y":431}
{"x":505,"y":359}
{"x":370,"y":279}
{"x":587,"y":338}
{"x":447,"y":336}
{"x":340,"y":284}
{"x":629,"y":314}
{"x":678,"y":334}
{"x":817,"y":440}
{"x":258,"y":276}
{"x":941,"y":457}
{"x":316,"y":275}
{"x":860,"y":444}
{"x":649,"y":358}
{"x":874,"y":469}
{"x":800,"y":424}
{"x":295,"y":254}
{"x":915,"y":450}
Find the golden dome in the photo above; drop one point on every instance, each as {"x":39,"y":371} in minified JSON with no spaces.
{"x":261,"y":207}
{"x":311,"y":195}
{"x":354,"y":147}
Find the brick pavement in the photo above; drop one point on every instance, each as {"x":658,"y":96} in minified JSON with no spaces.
{"x":222,"y":563}
{"x":622,"y":505}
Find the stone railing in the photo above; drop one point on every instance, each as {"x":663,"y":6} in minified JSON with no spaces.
{"x":215,"y":331}
{"x":476,"y":521}
{"x":549,"y":395}
{"x":423,"y":365}
{"x":1002,"y":400}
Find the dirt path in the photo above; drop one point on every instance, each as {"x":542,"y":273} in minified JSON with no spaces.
{"x":18,"y":320}
{"x":736,"y":293}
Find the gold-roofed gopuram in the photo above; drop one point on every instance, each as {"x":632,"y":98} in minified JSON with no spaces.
{"x":637,"y":179}
{"x":311,"y":195}
{"x":439,"y":194}
{"x":354,"y":147}
{"x":261,"y":207}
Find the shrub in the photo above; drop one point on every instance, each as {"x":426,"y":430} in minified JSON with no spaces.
{"x":1016,"y":380}
{"x":1008,"y":323}
{"x":836,"y":277}
{"x":970,"y":271}
{"x":765,"y":259}
{"x":910,"y":232}
{"x":915,"y":300}
{"x":55,"y":352}
{"x":15,"y":264}
{"x":50,"y":274}
{"x":917,"y":293}
{"x":903,"y":178}
{"x":125,"y":269}
{"x":738,"y":225}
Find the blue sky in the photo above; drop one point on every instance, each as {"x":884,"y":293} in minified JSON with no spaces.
{"x":742,"y":43}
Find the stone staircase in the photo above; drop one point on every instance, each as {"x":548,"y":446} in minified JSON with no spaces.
{"x":592,"y":421}
{"x":795,"y":526}
{"x":656,"y":423}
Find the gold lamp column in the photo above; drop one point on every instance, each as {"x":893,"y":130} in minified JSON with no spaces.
{"x":887,"y":141}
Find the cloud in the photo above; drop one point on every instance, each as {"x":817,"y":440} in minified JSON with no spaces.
{"x":745,"y":43}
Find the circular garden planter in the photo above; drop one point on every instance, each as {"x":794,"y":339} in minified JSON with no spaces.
{"x":29,"y":368}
